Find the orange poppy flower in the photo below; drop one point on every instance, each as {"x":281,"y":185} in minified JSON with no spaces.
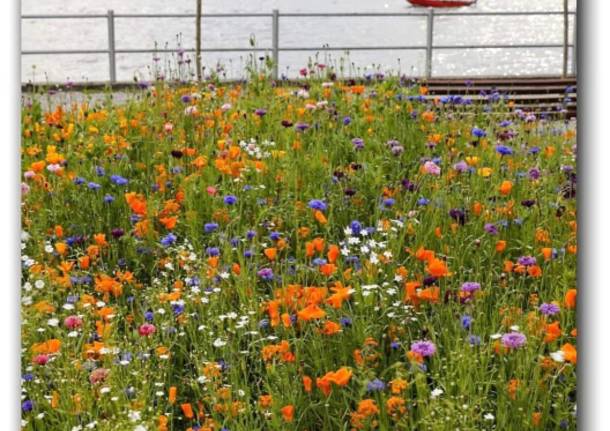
{"x":570,"y":299}
{"x":505,"y":188}
{"x":307,"y":383}
{"x":330,"y":328}
{"x":311,"y":312}
{"x":288,"y":413}
{"x":437,"y":268}
{"x":187,"y":410}
{"x":172,"y":395}
{"x":271,"y":253}
{"x":553,"y":331}
{"x":569,"y":353}
{"x":333,"y":253}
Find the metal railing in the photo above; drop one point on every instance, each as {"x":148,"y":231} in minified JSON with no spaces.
{"x":275,"y":48}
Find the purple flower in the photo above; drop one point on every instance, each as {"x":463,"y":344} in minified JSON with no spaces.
{"x":470,"y":286}
{"x":117,"y":232}
{"x":230,"y":200}
{"x":534,"y":173}
{"x":479,"y":133}
{"x":212,"y":251}
{"x":301,"y":127}
{"x":346,"y":121}
{"x":432,"y":168}
{"x":210,"y":227}
{"x":317,"y":204}
{"x":260,"y":112}
{"x":474,"y":340}
{"x":458,"y":215}
{"x":527,"y":260}
{"x":388,"y":202}
{"x":375,"y":386}
{"x":424,"y":348}
{"x":397,"y":150}
{"x":168,"y":240}
{"x":504,"y":150}
{"x":265,"y":274}
{"x":358,"y":143}
{"x":513,"y":340}
{"x":27,"y":406}
{"x":549,"y":309}
{"x":466,"y":321}
{"x":461,"y":166}
{"x":119,"y":180}
{"x":491,"y":228}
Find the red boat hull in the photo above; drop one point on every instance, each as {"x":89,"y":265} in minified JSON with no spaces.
{"x":441,"y":3}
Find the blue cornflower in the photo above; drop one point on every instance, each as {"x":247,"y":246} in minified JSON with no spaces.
{"x":345,"y":321}
{"x":318,"y":261}
{"x":210,"y":227}
{"x":93,"y":186}
{"x":212,"y":251}
{"x":466,"y":322}
{"x":423,"y":201}
{"x":119,"y":180}
{"x":230,"y":200}
{"x":79,"y":180}
{"x":356,"y":227}
{"x":388,"y":202}
{"x":479,"y":133}
{"x":27,"y":406}
{"x":317,"y":204}
{"x":504,"y":150}
{"x":275,"y":236}
{"x":100,"y":171}
{"x":266,"y":274}
{"x":549,"y":309}
{"x":375,"y":386}
{"x":168,"y":240}
{"x":474,"y":340}
{"x":108,"y":199}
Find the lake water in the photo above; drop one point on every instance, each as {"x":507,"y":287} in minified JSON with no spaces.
{"x":38,"y":34}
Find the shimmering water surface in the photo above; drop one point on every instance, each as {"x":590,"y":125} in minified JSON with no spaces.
{"x":38,"y":34}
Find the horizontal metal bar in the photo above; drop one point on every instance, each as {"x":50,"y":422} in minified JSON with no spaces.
{"x":70,"y":16}
{"x":296,"y":15}
{"x":551,"y":45}
{"x":350,"y":48}
{"x":289,"y":48}
{"x":532,"y":13}
{"x":190,"y":15}
{"x":148,"y":50}
{"x":66,"y":51}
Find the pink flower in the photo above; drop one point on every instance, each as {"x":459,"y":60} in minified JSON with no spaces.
{"x":168,"y":127}
{"x":29,"y":174}
{"x":73,"y":322}
{"x":98,"y":375}
{"x":147,"y":329}
{"x":41,"y":359}
{"x":211,"y":190}
{"x":432,"y":168}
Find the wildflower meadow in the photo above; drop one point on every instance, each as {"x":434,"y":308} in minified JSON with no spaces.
{"x":319,"y":255}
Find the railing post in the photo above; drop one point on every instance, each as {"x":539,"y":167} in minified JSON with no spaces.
{"x":111,"y":47}
{"x":574,"y":42}
{"x":429,"y":42}
{"x":565,"y":38}
{"x":275,"y":42}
